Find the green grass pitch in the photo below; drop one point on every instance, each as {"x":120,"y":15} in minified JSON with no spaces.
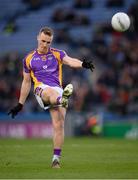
{"x":82,"y":158}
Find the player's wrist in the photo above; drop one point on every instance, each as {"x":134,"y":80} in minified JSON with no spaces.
{"x":20,"y":105}
{"x":85,"y":64}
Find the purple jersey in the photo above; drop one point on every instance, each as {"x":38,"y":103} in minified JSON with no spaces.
{"x":45,"y":68}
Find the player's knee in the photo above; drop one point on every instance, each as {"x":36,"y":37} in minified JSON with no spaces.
{"x":58,"y":125}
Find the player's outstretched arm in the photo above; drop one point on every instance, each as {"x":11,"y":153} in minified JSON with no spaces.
{"x":76,"y":63}
{"x":25,"y":89}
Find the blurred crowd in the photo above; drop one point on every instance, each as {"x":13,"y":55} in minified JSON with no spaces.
{"x":113,"y":86}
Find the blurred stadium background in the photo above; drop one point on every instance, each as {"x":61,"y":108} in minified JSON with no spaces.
{"x":105,"y":102}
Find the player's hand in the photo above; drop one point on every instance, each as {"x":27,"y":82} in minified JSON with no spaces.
{"x":88,"y":65}
{"x":14,"y":111}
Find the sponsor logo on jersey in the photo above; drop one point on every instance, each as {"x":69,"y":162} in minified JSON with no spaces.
{"x":43,"y":58}
{"x":36,"y":59}
{"x":45,"y":67}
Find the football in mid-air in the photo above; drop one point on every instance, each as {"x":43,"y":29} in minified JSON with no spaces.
{"x":120,"y":22}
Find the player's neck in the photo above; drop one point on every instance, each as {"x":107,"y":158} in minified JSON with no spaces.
{"x":42,"y":52}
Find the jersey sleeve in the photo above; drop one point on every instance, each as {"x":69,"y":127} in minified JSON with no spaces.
{"x":25,"y":67}
{"x":62,"y":55}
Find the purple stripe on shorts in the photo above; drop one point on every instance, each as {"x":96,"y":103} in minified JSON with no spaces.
{"x":38,"y":91}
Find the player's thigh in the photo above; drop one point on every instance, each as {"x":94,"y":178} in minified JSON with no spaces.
{"x":49,"y":92}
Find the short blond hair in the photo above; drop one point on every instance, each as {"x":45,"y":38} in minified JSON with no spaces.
{"x":47,"y":31}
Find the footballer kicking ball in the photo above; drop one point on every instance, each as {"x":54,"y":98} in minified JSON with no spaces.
{"x":120,"y":22}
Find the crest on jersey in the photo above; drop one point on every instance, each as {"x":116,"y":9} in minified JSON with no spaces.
{"x":43,"y":58}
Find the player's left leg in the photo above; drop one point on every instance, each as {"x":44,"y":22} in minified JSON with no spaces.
{"x":58,"y":118}
{"x":48,"y":96}
{"x":67,"y":92}
{"x":51,"y":96}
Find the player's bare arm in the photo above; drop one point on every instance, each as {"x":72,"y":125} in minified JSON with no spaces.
{"x":76,"y":63}
{"x":72,"y":62}
{"x":25,"y":87}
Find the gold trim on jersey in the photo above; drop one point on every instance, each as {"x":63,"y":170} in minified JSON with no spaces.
{"x":28,"y":59}
{"x":57,"y":55}
{"x":36,"y":82}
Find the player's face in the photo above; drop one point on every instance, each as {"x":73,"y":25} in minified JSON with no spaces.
{"x":44,"y":42}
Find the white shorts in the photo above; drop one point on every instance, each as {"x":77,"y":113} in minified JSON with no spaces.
{"x":38,"y":92}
